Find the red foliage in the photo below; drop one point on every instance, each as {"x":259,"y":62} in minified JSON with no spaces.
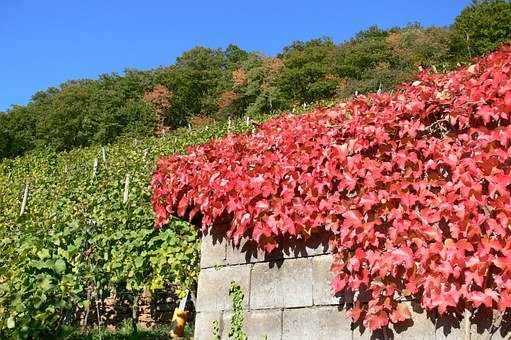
{"x":412,"y":187}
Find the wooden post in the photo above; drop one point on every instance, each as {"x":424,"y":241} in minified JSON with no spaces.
{"x":247,"y":120}
{"x":126,"y":189}
{"x":103,"y":154}
{"x":24,"y":202}
{"x":95,"y":168}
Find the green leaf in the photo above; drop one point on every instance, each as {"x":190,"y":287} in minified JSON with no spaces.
{"x":60,"y":266}
{"x":45,"y":283}
{"x":11,"y":323}
{"x":43,"y":254}
{"x":139,"y":261}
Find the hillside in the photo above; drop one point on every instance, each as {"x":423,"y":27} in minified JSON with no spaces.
{"x":208,"y":84}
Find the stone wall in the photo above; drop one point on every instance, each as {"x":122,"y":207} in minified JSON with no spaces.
{"x":287,"y":296}
{"x":153,"y":310}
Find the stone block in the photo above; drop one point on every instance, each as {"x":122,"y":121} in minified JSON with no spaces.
{"x":257,"y":324}
{"x":321,"y":279}
{"x":419,"y":328}
{"x":266,"y":290}
{"x":484,"y":322}
{"x":299,"y":324}
{"x":204,"y":324}
{"x":264,"y":323}
{"x":245,"y":252}
{"x":213,"y":251}
{"x":326,"y":323}
{"x":213,"y":292}
{"x":448,"y":327}
{"x":287,"y":286}
{"x":296,"y":282}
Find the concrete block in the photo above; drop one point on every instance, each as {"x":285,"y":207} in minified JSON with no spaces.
{"x":450,"y":328}
{"x":305,"y":252}
{"x":245,"y":252}
{"x":315,"y":245}
{"x":326,"y":323}
{"x":264,"y":323}
{"x":299,"y":324}
{"x":257,"y":324}
{"x":484,"y":322}
{"x":362,"y":333}
{"x":321,"y":279}
{"x":296,"y":282}
{"x":213,"y":251}
{"x":226,"y":325}
{"x":213,"y":292}
{"x":500,"y":334}
{"x":333,"y":323}
{"x":266,"y":290}
{"x":287,"y":286}
{"x":204,"y":324}
{"x":419,"y":328}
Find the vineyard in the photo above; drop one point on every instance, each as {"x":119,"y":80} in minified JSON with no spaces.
{"x":412,"y":188}
{"x":78,"y":228}
{"x":106,"y":185}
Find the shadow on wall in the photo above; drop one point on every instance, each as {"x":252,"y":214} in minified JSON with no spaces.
{"x":317,"y":244}
{"x":483,"y":323}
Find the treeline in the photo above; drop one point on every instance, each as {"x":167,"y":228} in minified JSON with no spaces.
{"x":213,"y":84}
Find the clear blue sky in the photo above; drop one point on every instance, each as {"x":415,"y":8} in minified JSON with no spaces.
{"x":43,"y":43}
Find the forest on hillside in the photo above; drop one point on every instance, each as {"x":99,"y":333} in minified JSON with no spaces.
{"x":206,"y":84}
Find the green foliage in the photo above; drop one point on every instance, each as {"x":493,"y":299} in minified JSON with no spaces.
{"x":124,"y":332}
{"x":481,"y":28}
{"x":308,"y":74}
{"x":238,"y":313}
{"x":77,"y":234}
{"x":215,"y":329}
{"x":221,"y":83}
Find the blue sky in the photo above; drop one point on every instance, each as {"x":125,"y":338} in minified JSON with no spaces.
{"x":43,"y":43}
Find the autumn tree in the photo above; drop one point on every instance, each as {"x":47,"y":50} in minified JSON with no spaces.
{"x":160,"y":100}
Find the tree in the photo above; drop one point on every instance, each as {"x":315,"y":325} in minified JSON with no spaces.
{"x":160,"y":99}
{"x":481,"y":27}
{"x":307,"y":75}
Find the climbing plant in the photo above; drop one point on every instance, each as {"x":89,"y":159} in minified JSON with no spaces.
{"x":238,"y":312}
{"x":412,"y":188}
